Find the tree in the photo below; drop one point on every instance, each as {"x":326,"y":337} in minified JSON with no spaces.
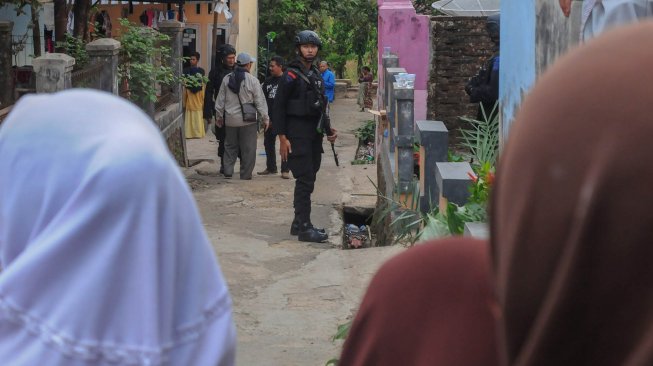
{"x":353,"y":32}
{"x":60,"y":22}
{"x":81,"y":11}
{"x":347,"y":27}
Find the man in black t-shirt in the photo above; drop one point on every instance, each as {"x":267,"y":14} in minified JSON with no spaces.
{"x":270,"y":86}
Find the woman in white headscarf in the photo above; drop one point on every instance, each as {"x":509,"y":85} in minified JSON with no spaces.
{"x":600,"y":15}
{"x":105,"y":260}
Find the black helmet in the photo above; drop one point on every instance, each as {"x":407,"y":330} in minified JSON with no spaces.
{"x":225,"y":50}
{"x":308,"y":37}
{"x":493,"y":26}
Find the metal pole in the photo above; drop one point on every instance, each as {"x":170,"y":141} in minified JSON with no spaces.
{"x":214,"y":34}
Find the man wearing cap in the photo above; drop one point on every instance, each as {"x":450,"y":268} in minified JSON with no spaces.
{"x":299,"y":121}
{"x":237,"y":89}
{"x":225,"y":61}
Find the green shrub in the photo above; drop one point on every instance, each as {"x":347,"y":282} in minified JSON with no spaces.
{"x":141,"y":48}
{"x":75,"y":48}
{"x":366,"y":132}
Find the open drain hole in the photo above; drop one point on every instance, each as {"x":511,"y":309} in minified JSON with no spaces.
{"x":356,"y":231}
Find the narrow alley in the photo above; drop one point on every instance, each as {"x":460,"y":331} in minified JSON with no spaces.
{"x":289,"y":297}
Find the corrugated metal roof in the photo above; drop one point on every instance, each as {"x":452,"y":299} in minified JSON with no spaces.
{"x":467,"y":7}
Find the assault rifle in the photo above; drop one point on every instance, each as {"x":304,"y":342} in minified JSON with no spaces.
{"x":324,"y":127}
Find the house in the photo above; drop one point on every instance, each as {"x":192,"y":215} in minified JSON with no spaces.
{"x":241,"y":30}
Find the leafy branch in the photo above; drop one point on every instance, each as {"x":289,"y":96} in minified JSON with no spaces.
{"x":144,"y":61}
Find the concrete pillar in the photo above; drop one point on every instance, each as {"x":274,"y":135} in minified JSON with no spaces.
{"x":387,"y":62}
{"x":404,"y":136}
{"x":433,"y":138}
{"x":6,"y":81}
{"x":390,"y":72}
{"x":404,"y":110}
{"x":477,"y":230}
{"x":174,"y":29}
{"x":453,"y":182}
{"x":391,"y":105}
{"x":53,"y":72}
{"x":106,"y":51}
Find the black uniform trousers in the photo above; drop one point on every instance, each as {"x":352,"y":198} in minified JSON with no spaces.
{"x":220,"y":135}
{"x":304,"y":163}
{"x":269,"y":141}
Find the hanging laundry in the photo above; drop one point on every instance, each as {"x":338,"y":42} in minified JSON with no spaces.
{"x":150,"y":17}
{"x":71,"y":23}
{"x":143,"y":18}
{"x":155,"y":19}
{"x":48,"y":35}
{"x":107,"y":23}
{"x":222,"y":7}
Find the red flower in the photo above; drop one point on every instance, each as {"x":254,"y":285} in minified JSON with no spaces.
{"x":473,"y":177}
{"x":490,"y":178}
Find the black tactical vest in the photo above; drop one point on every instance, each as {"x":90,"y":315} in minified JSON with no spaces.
{"x":308,"y":101}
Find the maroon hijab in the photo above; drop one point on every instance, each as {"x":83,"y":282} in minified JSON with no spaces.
{"x":428,"y":306}
{"x":572,"y":212}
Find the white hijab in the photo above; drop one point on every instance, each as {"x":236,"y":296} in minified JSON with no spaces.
{"x":105,"y":259}
{"x":601,"y":15}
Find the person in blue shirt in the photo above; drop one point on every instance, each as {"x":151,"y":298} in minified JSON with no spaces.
{"x":329,"y":81}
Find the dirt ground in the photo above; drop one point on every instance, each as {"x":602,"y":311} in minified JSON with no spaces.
{"x":288,"y":296}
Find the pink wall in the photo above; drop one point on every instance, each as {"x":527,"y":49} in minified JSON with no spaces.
{"x":407,"y":35}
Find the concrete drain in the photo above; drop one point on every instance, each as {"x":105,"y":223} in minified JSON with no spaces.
{"x":357,"y":232}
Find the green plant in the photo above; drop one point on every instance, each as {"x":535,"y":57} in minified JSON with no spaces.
{"x":411,"y":225}
{"x":482,"y":181}
{"x":408,"y":221}
{"x":341,"y":333}
{"x":75,"y":48}
{"x":482,"y":139}
{"x":142,"y":51}
{"x":192,"y":81}
{"x":453,"y":157}
{"x":366,"y":132}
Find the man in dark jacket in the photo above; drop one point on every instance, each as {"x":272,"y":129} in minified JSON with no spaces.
{"x":483,"y":87}
{"x":225,"y":62}
{"x":270,"y":86}
{"x":300,"y":120}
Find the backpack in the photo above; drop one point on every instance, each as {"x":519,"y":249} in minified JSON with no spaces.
{"x":479,"y":87}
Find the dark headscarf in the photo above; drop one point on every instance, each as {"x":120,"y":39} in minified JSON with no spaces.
{"x":237,"y":79}
{"x":572,"y":220}
{"x":194,"y":71}
{"x":430,"y":305}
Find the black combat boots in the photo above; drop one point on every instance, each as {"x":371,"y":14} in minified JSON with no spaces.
{"x":294,"y":227}
{"x":308,"y":233}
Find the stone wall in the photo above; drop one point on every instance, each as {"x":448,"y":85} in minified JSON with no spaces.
{"x":170,"y":121}
{"x":459,"y":46}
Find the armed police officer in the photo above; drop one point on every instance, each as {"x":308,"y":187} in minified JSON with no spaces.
{"x":300,"y":121}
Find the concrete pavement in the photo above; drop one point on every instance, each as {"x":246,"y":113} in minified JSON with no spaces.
{"x":288,"y":296}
